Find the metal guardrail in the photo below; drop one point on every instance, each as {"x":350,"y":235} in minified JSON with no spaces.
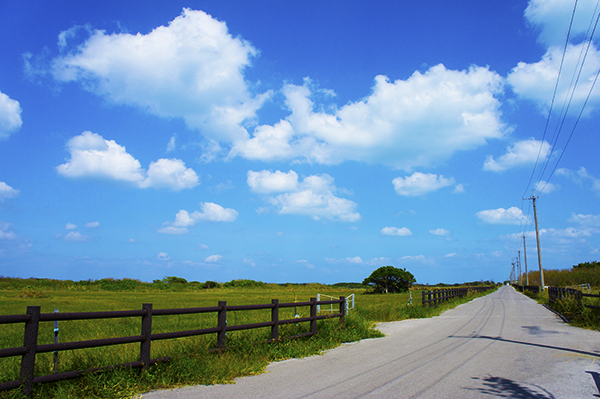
{"x":33,"y":317}
{"x":436,"y":297}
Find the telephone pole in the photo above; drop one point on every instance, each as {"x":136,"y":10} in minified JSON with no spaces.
{"x":537,"y":236}
{"x":519,"y":267}
{"x":525,"y":258}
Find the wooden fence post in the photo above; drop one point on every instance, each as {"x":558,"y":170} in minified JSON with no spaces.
{"x":275,"y":319}
{"x":30,"y":344}
{"x":222,"y":324}
{"x":313,"y":315}
{"x":146,"y":333}
{"x":343,"y":311}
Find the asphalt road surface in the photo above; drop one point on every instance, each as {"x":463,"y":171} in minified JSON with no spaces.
{"x":500,"y":345}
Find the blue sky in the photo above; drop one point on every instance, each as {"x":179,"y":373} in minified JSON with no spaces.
{"x":296,"y":142}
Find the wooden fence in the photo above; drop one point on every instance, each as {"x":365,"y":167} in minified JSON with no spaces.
{"x":33,"y":317}
{"x":436,"y":297}
{"x":559,"y":293}
{"x":532,"y":288}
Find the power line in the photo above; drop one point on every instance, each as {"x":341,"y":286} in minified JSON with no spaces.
{"x":553,"y":97}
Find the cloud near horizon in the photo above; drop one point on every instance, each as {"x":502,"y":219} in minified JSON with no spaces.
{"x":10,"y":116}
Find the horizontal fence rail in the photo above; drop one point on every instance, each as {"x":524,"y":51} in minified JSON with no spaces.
{"x":33,"y":317}
{"x":434,"y":298}
{"x":560,"y":293}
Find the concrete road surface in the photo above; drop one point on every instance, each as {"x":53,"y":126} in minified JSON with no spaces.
{"x":501,"y":345}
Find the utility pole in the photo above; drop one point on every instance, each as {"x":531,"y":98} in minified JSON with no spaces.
{"x":537,"y":236}
{"x":525,"y":258}
{"x":519,"y":268}
{"x":512,"y":273}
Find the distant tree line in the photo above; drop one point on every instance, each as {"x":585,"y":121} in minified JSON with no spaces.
{"x":582,"y":273}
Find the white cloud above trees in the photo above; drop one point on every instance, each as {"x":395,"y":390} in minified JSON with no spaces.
{"x":94,"y":157}
{"x":314,"y":196}
{"x":522,"y":153}
{"x":511,"y":215}
{"x":192,"y":68}
{"x":420,"y":184}
{"x":210,"y":212}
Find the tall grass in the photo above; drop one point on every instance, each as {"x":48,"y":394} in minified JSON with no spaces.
{"x":573,"y":311}
{"x":191,"y":362}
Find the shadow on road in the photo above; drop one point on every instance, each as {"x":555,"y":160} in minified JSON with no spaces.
{"x":596,"y":378}
{"x":500,"y":339}
{"x":504,"y":388}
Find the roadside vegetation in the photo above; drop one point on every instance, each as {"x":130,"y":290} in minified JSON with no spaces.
{"x":191,"y":361}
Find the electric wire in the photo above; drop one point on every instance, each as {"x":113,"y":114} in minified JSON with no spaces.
{"x":553,"y":97}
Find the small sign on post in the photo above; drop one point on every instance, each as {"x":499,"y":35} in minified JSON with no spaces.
{"x":55,"y":361}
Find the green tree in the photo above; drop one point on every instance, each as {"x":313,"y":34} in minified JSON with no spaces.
{"x":390,"y":279}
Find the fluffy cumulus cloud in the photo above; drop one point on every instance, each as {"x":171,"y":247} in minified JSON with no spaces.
{"x":396,"y":231}
{"x":552,"y":17}
{"x":192,"y":68}
{"x":93,"y":156}
{"x":545,"y":187}
{"x":536,"y":81}
{"x":10,"y":116}
{"x":92,"y":225}
{"x":314,"y":196}
{"x":7,"y":191}
{"x":267,"y":182}
{"x":420,"y":184}
{"x":522,"y":153}
{"x":75,"y":236}
{"x":211,"y":212}
{"x":511,"y":215}
{"x":70,"y":226}
{"x":213,"y":259}
{"x":403,"y":123}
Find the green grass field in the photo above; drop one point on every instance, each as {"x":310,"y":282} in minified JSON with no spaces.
{"x":191,"y":362}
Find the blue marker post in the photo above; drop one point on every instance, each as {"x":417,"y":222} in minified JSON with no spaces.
{"x":55,"y":341}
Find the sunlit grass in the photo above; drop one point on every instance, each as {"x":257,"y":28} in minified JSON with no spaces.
{"x":191,"y":362}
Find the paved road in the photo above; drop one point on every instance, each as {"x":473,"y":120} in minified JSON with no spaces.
{"x":500,"y":345}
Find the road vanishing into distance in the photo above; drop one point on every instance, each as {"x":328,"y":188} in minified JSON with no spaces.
{"x":501,"y":345}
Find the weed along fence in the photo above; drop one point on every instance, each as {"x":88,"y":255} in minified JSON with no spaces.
{"x":33,"y":317}
{"x":434,"y":298}
{"x":532,"y":288}
{"x":559,"y":293}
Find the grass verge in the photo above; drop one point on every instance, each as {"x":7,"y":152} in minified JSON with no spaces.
{"x":191,"y":362}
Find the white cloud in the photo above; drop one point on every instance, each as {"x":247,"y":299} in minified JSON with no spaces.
{"x":420,"y":184}
{"x":163,"y":256}
{"x":93,"y":156}
{"x":522,"y":153}
{"x":171,"y":144}
{"x":92,"y":225}
{"x":211,"y":212}
{"x":585,"y":220}
{"x":202,"y":247}
{"x":170,"y":173}
{"x":579,"y":177}
{"x":70,"y":226}
{"x":547,"y":187}
{"x":552,"y":18}
{"x":511,"y":215}
{"x":5,"y":234}
{"x":404,"y":123}
{"x":314,"y":196}
{"x":192,"y":68}
{"x":536,"y":81}
{"x":279,"y":234}
{"x":75,"y":236}
{"x":173,"y":230}
{"x":10,"y":116}
{"x":7,"y":191}
{"x":267,"y":182}
{"x":305,"y":263}
{"x":450,"y":255}
{"x":213,"y":259}
{"x":249,"y":262}
{"x":396,"y":231}
{"x":439,"y":232}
